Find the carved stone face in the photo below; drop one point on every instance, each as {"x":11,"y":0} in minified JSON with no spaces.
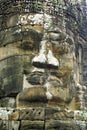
{"x":37,"y":57}
{"x":48,"y":80}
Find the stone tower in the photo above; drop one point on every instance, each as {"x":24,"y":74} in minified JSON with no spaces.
{"x":43,"y":65}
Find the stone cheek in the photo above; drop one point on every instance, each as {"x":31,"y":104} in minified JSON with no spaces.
{"x":11,"y":78}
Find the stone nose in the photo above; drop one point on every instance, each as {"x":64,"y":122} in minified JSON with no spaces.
{"x":45,"y":58}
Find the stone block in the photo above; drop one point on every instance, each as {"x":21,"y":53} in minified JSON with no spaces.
{"x":58,"y":125}
{"x":65,"y":125}
{"x":9,"y":125}
{"x":4,"y":113}
{"x":4,"y":125}
{"x":30,"y":125}
{"x":58,"y":114}
{"x":14,"y":125}
{"x":32,"y":114}
{"x":9,"y":114}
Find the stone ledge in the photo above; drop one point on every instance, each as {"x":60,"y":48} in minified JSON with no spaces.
{"x":39,"y":118}
{"x":30,"y":125}
{"x":41,"y":113}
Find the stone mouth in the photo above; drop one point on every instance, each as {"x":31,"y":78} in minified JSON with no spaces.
{"x":33,"y":95}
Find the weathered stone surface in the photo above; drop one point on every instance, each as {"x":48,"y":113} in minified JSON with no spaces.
{"x":27,"y":65}
{"x":34,"y":96}
{"x":32,"y":114}
{"x":4,"y":113}
{"x":14,"y":115}
{"x":28,"y":37}
{"x":70,"y":40}
{"x":59,"y":49}
{"x":9,"y":114}
{"x":14,"y":125}
{"x":11,"y":60}
{"x":4,"y":125}
{"x":80,"y":125}
{"x":13,"y":84}
{"x":80,"y":115}
{"x":37,"y":78}
{"x":12,"y":21}
{"x":30,"y":125}
{"x":58,"y":125}
{"x":11,"y":70}
{"x":34,"y":118}
{"x":11,"y":75}
{"x":65,"y":125}
{"x":8,"y":102}
{"x":9,"y":125}
{"x":57,"y":36}
{"x":10,"y":36}
{"x":57,"y":92}
{"x":58,"y":114}
{"x":55,"y":89}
